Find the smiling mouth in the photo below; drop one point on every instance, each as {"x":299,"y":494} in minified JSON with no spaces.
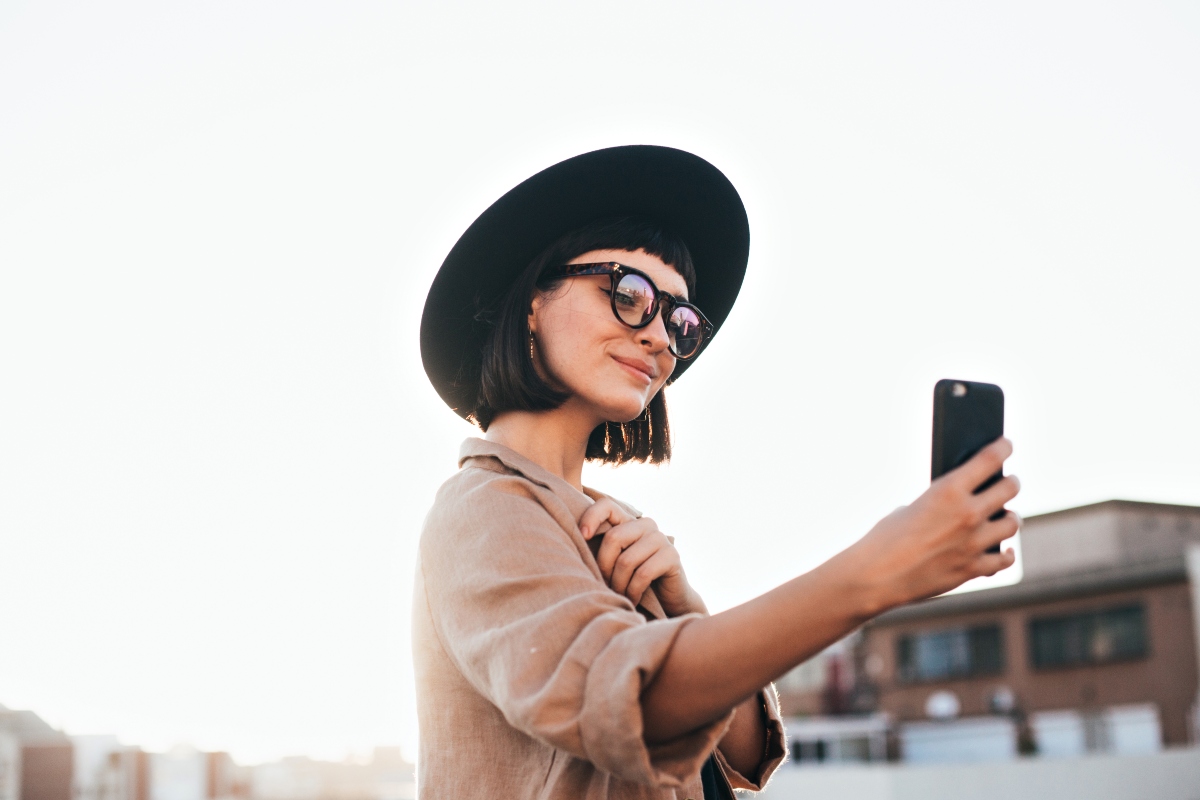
{"x":637,"y":368}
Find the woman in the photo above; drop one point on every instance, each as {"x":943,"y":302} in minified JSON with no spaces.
{"x":559,"y":650}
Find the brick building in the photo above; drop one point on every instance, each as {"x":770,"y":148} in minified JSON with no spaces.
{"x":1094,"y":650}
{"x":37,"y":759}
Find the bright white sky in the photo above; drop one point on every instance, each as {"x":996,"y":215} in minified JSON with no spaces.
{"x":218,"y":223}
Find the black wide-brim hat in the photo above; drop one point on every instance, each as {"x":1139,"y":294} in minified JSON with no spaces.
{"x":679,"y":191}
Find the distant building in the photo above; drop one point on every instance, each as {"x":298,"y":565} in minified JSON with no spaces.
{"x":38,"y":762}
{"x":387,"y":776}
{"x":91,"y":771}
{"x":181,"y":773}
{"x":43,"y":763}
{"x":185,"y":773}
{"x":831,"y":714}
{"x":124,"y":775}
{"x":1095,"y":650}
{"x":10,"y":765}
{"x":825,"y":684}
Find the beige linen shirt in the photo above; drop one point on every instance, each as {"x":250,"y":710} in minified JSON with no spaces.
{"x":529,"y":667}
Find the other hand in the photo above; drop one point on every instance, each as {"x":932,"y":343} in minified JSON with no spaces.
{"x":636,"y":555}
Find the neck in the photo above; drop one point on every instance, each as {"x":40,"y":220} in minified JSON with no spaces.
{"x":555,"y":440}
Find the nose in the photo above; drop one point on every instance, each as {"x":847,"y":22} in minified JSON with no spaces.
{"x":654,"y":336}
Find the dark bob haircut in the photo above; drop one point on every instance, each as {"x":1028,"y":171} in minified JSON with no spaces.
{"x":509,"y":382}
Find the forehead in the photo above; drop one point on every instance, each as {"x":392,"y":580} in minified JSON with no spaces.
{"x":665,"y":277}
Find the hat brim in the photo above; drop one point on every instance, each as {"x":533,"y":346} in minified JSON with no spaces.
{"x":678,"y":190}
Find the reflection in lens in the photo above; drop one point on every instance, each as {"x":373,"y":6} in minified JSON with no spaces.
{"x":634,"y":300}
{"x":684,"y":330}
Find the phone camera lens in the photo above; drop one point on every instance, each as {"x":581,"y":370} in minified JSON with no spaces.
{"x":959,"y":390}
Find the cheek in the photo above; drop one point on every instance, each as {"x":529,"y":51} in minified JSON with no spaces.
{"x":572,"y":341}
{"x":664,"y":376}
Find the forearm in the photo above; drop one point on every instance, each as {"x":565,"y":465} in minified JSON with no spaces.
{"x":720,"y":661}
{"x":745,"y":742}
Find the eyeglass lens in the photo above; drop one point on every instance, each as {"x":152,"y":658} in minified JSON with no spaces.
{"x":684,"y":329}
{"x":635,"y":300}
{"x":636,"y":303}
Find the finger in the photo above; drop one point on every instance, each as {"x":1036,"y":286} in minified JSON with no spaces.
{"x":994,"y":497}
{"x":989,"y":564}
{"x":595,"y":514}
{"x":603,"y":510}
{"x":630,"y":560}
{"x":994,"y":532}
{"x":983,"y":464}
{"x":615,"y":541}
{"x":651,"y":570}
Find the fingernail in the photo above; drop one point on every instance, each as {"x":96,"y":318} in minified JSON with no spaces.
{"x":584,"y":531}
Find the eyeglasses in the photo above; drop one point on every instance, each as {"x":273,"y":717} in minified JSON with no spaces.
{"x":636,"y":301}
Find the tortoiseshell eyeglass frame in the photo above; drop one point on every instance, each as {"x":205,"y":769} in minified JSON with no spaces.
{"x":665,"y":301}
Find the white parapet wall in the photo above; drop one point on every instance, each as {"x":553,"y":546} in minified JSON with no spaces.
{"x":960,"y":740}
{"x":1169,"y":775}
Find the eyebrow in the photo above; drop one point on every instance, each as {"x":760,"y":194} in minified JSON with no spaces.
{"x":682,"y":295}
{"x":662,"y":287}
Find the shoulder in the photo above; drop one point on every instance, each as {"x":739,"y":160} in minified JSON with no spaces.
{"x":492,"y":531}
{"x":484,"y":501}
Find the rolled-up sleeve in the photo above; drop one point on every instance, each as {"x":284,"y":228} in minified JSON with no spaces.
{"x":776,"y":749}
{"x":535,"y":630}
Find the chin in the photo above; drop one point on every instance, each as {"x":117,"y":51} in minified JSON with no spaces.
{"x":622,"y":411}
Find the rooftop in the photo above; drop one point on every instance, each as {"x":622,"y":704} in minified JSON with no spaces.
{"x":29,"y":728}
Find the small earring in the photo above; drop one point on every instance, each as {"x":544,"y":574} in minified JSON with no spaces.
{"x":531,"y":345}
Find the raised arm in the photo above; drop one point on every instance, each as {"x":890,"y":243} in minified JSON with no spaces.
{"x":917,"y":551}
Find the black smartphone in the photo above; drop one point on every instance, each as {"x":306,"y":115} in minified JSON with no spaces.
{"x":967,"y":416}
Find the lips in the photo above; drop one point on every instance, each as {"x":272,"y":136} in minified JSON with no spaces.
{"x":641,"y":367}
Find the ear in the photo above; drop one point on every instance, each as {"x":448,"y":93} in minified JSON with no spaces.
{"x":534,"y":305}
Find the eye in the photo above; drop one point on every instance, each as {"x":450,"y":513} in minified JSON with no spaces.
{"x":623,"y":299}
{"x":629,"y":299}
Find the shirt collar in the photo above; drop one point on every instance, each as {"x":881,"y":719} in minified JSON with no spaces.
{"x":474,"y":447}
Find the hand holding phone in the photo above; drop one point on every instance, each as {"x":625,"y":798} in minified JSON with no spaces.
{"x":967,"y":416}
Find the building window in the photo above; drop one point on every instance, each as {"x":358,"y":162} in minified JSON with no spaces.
{"x":953,"y":653}
{"x":1095,"y":637}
